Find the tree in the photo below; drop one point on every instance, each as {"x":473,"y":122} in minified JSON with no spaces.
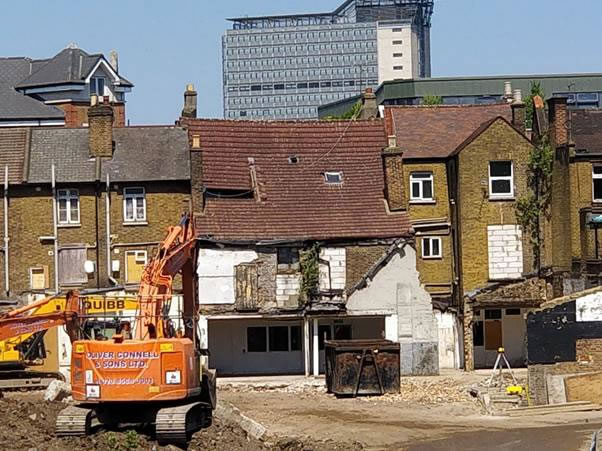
{"x":432,"y":100}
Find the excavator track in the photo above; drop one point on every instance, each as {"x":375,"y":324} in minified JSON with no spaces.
{"x":27,"y":380}
{"x":74,"y":421}
{"x":175,"y":425}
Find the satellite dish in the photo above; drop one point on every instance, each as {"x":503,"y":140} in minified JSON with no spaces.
{"x":89,"y":266}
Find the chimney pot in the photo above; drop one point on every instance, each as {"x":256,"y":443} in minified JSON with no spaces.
{"x":507,"y":89}
{"x":518,"y":96}
{"x":114,"y":60}
{"x":392,"y":141}
{"x":93,"y":100}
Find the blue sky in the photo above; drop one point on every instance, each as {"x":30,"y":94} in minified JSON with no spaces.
{"x":164,"y":44}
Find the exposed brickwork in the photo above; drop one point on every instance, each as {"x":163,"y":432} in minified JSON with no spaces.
{"x":359,"y":260}
{"x":100,"y":135}
{"x":438,"y":209}
{"x":394,"y":180}
{"x":436,"y":273}
{"x":76,"y":114}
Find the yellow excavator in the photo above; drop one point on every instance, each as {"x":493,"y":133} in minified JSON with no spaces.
{"x":31,"y":360}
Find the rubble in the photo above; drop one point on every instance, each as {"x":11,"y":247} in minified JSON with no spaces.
{"x":57,"y":391}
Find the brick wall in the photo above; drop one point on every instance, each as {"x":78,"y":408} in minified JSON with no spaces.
{"x":436,"y":273}
{"x":332,"y":275}
{"x":76,"y":114}
{"x":588,"y":359}
{"x":438,"y":209}
{"x":394,"y":180}
{"x":476,"y":211}
{"x":359,"y":260}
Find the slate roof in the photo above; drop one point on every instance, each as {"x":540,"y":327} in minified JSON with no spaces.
{"x":70,"y":65}
{"x":296,"y":202}
{"x":13,"y":104}
{"x":586,"y":130}
{"x":13,"y":143}
{"x":156,"y":153}
{"x":436,"y":131}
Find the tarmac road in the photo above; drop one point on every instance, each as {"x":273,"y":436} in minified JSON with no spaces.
{"x":575,"y":437}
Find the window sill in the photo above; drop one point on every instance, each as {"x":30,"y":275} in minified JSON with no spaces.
{"x":135,"y":223}
{"x":68,"y":226}
{"x":502,"y":198}
{"x":420,"y":201}
{"x":433,"y":258}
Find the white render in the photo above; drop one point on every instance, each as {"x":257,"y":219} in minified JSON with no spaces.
{"x":385,"y":48}
{"x":449,"y":329}
{"x":589,"y":308}
{"x":505,"y":251}
{"x":216,"y":273}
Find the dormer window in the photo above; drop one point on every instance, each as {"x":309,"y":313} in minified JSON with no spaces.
{"x":97,"y":86}
{"x":333,"y":178}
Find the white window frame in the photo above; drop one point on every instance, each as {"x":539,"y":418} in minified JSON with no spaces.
{"x":414,"y":179}
{"x":337,"y":174}
{"x":595,"y":177}
{"x":142,"y":255}
{"x":429,"y":239}
{"x":128,"y":194}
{"x":94,"y":82}
{"x":510,"y":178}
{"x":67,"y":195}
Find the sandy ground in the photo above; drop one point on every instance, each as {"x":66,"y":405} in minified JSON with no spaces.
{"x":409,"y":421}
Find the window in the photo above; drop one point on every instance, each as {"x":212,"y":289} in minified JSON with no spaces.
{"x":431,"y":247}
{"x":68,"y":205}
{"x":288,"y":258}
{"x":500,"y":179}
{"x":333,"y":177}
{"x":512,"y":311}
{"x":597,"y":181}
{"x":257,"y":339}
{"x":397,"y":42}
{"x":397,"y":67}
{"x":71,"y":266}
{"x":397,"y":30}
{"x":278,"y":338}
{"x":397,"y":55}
{"x":135,"y":261}
{"x":478,"y":338}
{"x":295,"y":338}
{"x":493,"y":313}
{"x":421,"y":186}
{"x":134,"y":205}
{"x":97,"y":86}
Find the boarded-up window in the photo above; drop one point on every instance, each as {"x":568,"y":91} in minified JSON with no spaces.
{"x":246,"y":287}
{"x":71,"y":266}
{"x":493,"y":335}
{"x":38,"y":278}
{"x":134,"y":265}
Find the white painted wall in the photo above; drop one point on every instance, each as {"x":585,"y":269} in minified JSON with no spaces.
{"x":505,"y":251}
{"x":514,"y":329}
{"x":228,"y":348}
{"x":335,"y":279}
{"x":385,"y":50}
{"x":216,"y":274}
{"x":449,"y":340}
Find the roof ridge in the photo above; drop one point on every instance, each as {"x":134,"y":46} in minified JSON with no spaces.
{"x":400,"y":107}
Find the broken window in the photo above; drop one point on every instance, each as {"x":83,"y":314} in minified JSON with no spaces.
{"x":597,"y":181}
{"x":500,"y":179}
{"x":257,"y":339}
{"x":288,"y":259}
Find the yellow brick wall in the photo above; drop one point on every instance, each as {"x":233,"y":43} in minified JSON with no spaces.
{"x":436,"y":273}
{"x":499,"y":142}
{"x":581,"y":197}
{"x":440,"y":209}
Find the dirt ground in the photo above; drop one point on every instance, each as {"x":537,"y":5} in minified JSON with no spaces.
{"x":27,"y":423}
{"x":430,"y":414}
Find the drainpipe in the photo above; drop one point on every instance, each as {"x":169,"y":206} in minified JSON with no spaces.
{"x":6,"y":238}
{"x":55,"y":229}
{"x":108,"y":227}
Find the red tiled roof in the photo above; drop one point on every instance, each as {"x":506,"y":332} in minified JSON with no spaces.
{"x":296,"y":202}
{"x":12,"y":153}
{"x":436,"y":131}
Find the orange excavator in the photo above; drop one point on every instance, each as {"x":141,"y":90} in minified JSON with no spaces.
{"x":153,"y":373}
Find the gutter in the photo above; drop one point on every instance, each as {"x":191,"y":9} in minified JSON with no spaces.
{"x":108,"y":227}
{"x":6,"y":237}
{"x":55,"y":231}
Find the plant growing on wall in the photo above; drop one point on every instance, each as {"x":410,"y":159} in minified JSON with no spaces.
{"x":352,"y":113}
{"x":432,"y":100}
{"x":310,"y":270}
{"x":532,"y":207}
{"x":536,"y":90}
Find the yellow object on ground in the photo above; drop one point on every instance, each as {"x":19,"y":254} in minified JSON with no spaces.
{"x":514,"y":390}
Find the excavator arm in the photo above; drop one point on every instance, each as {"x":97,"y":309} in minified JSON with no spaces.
{"x":176,"y":253}
{"x":24,"y":320}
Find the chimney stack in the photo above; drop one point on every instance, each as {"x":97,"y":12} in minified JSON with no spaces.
{"x":190,"y":96}
{"x":558,"y":120}
{"x":518,"y":111}
{"x":369,"y":108}
{"x":114,"y":60}
{"x":394,"y":182}
{"x":100,"y":128}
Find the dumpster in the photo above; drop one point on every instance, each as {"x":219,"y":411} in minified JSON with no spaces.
{"x":362,"y":367}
